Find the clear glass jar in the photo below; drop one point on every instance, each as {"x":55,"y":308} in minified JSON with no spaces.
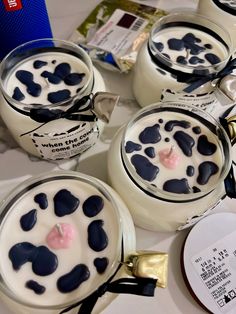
{"x":222,"y":12}
{"x":40,"y":81}
{"x":182,"y":48}
{"x":110,"y":214}
{"x":158,"y":162}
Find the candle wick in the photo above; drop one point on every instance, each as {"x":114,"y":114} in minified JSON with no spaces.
{"x":59,"y":229}
{"x":46,"y":80}
{"x":170,"y":152}
{"x":187,"y":53}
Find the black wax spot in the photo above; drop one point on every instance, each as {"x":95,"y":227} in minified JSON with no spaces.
{"x":198,"y":40}
{"x":150,"y":135}
{"x":212,"y":58}
{"x":101,"y":264}
{"x":28,"y":220}
{"x":159,"y":46}
{"x":190,"y":171}
{"x":93,"y":205}
{"x":35,"y":286}
{"x":78,"y":89}
{"x":59,"y":96}
{"x":39,"y":64}
{"x":208,"y":46}
{"x":17,"y":94}
{"x":62,"y":70}
{"x":26,"y":78}
{"x":130,"y":147}
{"x":54,"y":61}
{"x":172,"y":123}
{"x":65,"y":203}
{"x":206,"y":169}
{"x":97,"y":237}
{"x":72,"y":280}
{"x":197,"y":130}
{"x":194,"y":48}
{"x":179,"y":186}
{"x":41,"y":200}
{"x":150,"y":152}
{"x":196,"y":60}
{"x":20,"y":254}
{"x":74,"y":79}
{"x":160,"y":120}
{"x":196,"y":189}
{"x":175,"y":44}
{"x":144,"y":168}
{"x":52,"y":78}
{"x":185,"y":142}
{"x":44,"y":261}
{"x":181,"y":59}
{"x":189,"y":37}
{"x":205,"y":147}
{"x":167,"y":139}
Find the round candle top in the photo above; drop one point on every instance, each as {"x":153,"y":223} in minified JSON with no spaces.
{"x":174,"y":152}
{"x":64,"y":243}
{"x":47,"y":78}
{"x":189,"y":46}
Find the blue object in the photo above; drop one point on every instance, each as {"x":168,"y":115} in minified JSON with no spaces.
{"x":22,"y":21}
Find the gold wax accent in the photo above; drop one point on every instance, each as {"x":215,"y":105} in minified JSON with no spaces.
{"x":232,"y":127}
{"x":149,"y":264}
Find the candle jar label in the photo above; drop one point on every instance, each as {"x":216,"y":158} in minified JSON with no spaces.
{"x":68,"y":144}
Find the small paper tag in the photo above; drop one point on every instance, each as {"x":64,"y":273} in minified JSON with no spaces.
{"x":216,"y":268}
{"x":12,"y":5}
{"x":118,"y":33}
{"x":54,"y":146}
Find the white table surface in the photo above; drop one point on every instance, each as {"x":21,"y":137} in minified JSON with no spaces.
{"x":175,"y":299}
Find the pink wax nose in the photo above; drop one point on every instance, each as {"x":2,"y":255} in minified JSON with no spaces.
{"x":61,"y":236}
{"x":169,"y":158}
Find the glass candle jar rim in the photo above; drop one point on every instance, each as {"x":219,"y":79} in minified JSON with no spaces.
{"x":20,"y":104}
{"x":187,"y":14}
{"x":153,"y":190}
{"x":22,"y":188}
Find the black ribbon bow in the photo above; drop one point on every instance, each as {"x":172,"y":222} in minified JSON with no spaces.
{"x":83,"y":104}
{"x":137,"y":286}
{"x":195,"y":79}
{"x":230,"y":184}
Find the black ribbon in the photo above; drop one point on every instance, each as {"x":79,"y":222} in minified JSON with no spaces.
{"x":85,"y":103}
{"x":195,"y":79}
{"x":44,"y":116}
{"x":229,"y":182}
{"x":137,"y":286}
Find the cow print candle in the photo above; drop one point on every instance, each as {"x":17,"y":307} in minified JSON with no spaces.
{"x":182,"y":47}
{"x":46,"y":87}
{"x":65,"y":240}
{"x":172,"y":158}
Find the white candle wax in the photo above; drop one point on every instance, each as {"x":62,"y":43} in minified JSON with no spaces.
{"x":43,"y":75}
{"x":173,"y":165}
{"x":151,"y":148}
{"x":51,"y":78}
{"x":222,"y":12}
{"x":93,"y":209}
{"x":180,"y":48}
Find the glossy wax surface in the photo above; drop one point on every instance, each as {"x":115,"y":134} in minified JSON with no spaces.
{"x":44,"y":274}
{"x":185,"y":156}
